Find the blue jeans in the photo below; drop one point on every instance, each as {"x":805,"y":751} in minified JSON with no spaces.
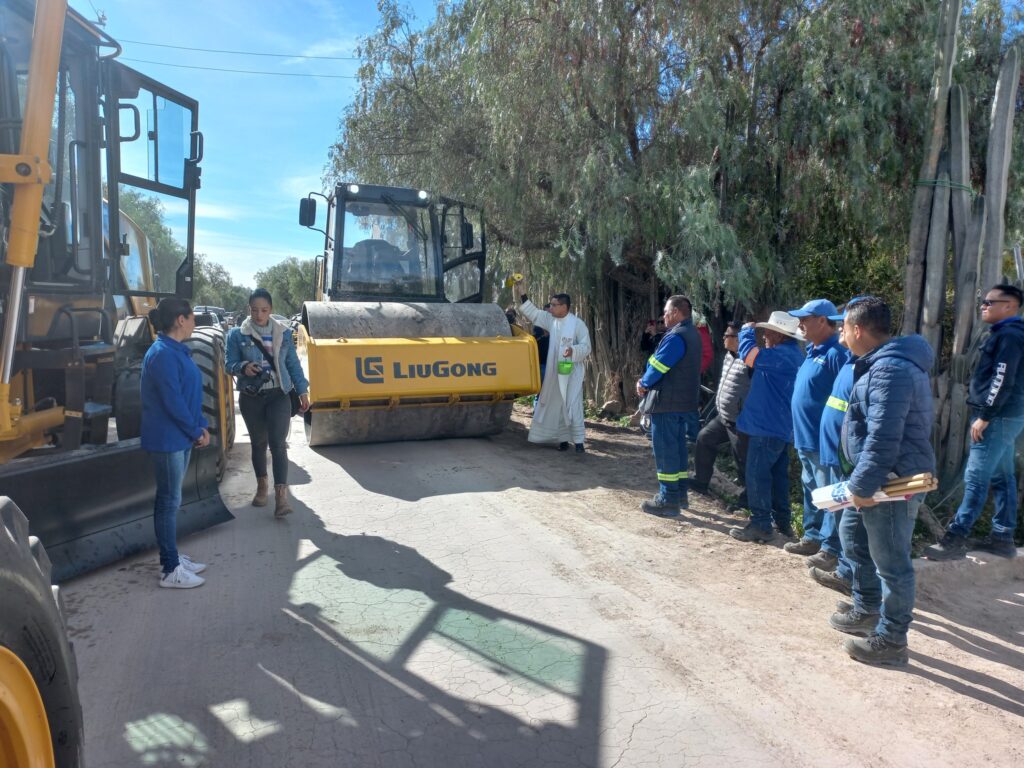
{"x":169,"y":469}
{"x":668,"y":435}
{"x":991,"y":462}
{"x":844,"y":570}
{"x":768,"y":481}
{"x":818,"y":524}
{"x":879,"y":537}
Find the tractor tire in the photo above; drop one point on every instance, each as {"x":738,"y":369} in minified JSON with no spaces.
{"x":207,"y":345}
{"x":128,"y":402}
{"x":32,"y":628}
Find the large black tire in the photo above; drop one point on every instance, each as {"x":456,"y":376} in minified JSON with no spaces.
{"x":207,"y":345}
{"x":128,"y":402}
{"x":32,"y":627}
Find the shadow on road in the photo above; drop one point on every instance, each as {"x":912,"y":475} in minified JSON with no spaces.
{"x":368,"y":657}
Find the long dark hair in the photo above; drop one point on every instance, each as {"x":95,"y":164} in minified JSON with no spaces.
{"x":167,"y":313}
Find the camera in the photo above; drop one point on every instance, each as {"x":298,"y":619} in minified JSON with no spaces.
{"x":251,"y":385}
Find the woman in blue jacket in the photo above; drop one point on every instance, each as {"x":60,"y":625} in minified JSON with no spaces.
{"x":261,"y":355}
{"x":172,"y":424}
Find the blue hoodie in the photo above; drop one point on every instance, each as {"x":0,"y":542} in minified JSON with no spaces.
{"x":888,"y":424}
{"x":812,"y":389}
{"x":766,"y":410}
{"x":172,"y":397}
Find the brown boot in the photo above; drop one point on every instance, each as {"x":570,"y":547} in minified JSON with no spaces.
{"x":262,"y":487}
{"x":282,"y":507}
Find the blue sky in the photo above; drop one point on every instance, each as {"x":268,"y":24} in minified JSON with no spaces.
{"x":266,"y":137}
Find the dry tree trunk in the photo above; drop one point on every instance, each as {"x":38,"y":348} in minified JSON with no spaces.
{"x":997,"y":164}
{"x":934,"y":304}
{"x":949,"y":19}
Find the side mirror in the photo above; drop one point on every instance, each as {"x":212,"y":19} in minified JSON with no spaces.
{"x":307,"y":212}
{"x":467,"y":235}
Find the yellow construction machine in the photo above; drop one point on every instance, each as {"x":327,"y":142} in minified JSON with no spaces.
{"x":83,"y":136}
{"x":398,"y":342}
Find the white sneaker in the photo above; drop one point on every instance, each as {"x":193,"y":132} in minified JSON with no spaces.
{"x":181,"y":578}
{"x":190,"y":565}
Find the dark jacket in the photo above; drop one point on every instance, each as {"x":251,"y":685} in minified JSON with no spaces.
{"x":766,"y":411}
{"x":888,"y":424}
{"x":997,"y":386}
{"x":673,"y":371}
{"x":733,"y":386}
{"x":172,"y":397}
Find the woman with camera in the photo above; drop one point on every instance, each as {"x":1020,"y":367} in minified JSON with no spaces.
{"x":261,"y":354}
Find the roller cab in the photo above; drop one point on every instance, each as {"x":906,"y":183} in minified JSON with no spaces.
{"x":398,"y":345}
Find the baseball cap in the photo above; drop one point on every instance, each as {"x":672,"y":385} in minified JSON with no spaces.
{"x":815,"y":308}
{"x":840,"y":317}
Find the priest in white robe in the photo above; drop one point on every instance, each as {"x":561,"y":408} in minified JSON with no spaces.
{"x":558,"y":415}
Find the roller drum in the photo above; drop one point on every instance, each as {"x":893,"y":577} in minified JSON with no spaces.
{"x":382,"y":320}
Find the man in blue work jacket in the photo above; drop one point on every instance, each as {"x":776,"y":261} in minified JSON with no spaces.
{"x":670,"y":388}
{"x":825,"y":357}
{"x":767,"y":418}
{"x":828,"y":567}
{"x":996,"y":398}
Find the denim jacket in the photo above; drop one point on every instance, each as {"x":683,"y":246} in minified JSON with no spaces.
{"x":244,"y":346}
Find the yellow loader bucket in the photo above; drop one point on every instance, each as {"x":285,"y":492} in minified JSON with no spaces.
{"x":431,"y":370}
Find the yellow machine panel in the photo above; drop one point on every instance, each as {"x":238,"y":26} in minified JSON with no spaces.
{"x":347,"y":373}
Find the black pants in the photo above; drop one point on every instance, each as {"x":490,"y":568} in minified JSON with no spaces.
{"x":268,"y":417}
{"x":713,"y":436}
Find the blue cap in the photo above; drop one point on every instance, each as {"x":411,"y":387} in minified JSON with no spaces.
{"x":815,"y":308}
{"x":839,"y":318}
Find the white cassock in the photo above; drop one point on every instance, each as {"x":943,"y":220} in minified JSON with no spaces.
{"x":558,"y":417}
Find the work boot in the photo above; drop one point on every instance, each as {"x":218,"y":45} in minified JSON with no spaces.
{"x":995,"y":545}
{"x":700,"y":488}
{"x":823,"y":561}
{"x":281,"y":505}
{"x":262,"y":487}
{"x":876,"y":650}
{"x":661,"y":507}
{"x":803,"y":547}
{"x":842,"y":606}
{"x":853,"y":622}
{"x":563,"y":446}
{"x":830,"y":580}
{"x":752,"y":532}
{"x":580,"y":448}
{"x":684,"y":496}
{"x":951,"y":546}
{"x":786,"y":529}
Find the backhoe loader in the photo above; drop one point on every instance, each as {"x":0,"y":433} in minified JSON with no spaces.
{"x":82,"y":137}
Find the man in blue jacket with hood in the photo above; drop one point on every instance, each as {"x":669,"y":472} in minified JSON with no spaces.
{"x":997,"y":399}
{"x":886,"y":434}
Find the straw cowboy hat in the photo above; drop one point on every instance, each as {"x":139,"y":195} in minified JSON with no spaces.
{"x":784,"y":323}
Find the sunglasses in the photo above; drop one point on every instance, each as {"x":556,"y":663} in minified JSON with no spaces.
{"x":731,"y":336}
{"x":990,"y":302}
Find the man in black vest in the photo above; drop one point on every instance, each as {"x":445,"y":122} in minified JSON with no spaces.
{"x":671,"y":390}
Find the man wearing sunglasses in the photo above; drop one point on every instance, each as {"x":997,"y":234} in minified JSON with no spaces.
{"x":996,"y":398}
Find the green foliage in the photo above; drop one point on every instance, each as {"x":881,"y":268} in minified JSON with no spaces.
{"x":166,"y":252}
{"x":749,"y":152}
{"x":290,"y":282}
{"x":212,"y":285}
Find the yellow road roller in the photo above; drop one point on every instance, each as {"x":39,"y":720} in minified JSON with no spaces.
{"x":398,"y":344}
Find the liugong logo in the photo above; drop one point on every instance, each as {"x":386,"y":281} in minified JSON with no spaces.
{"x":370,"y":370}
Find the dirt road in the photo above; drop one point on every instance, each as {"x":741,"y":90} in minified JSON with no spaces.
{"x":491,"y":603}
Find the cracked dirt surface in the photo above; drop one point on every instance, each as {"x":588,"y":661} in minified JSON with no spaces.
{"x":492,"y":603}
